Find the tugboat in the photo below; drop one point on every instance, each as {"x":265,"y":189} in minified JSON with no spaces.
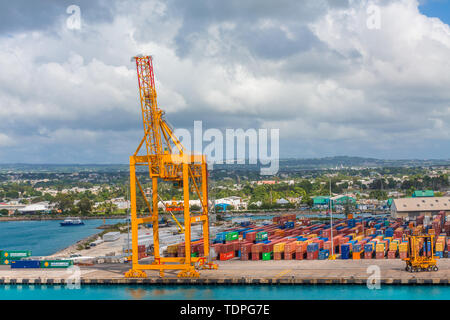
{"x":72,"y":222}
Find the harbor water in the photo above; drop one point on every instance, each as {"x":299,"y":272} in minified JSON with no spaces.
{"x":46,"y":237}
{"x":217,"y":292}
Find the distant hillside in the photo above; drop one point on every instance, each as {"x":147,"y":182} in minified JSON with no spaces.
{"x":285,"y":164}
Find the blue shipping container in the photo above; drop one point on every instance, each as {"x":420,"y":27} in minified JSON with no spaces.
{"x":25,"y":264}
{"x":312,"y":247}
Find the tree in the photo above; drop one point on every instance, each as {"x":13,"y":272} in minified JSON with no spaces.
{"x":3,"y":212}
{"x":307,"y":200}
{"x":84,"y":206}
{"x":64,"y":202}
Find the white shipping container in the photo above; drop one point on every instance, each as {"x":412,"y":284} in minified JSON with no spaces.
{"x":111,"y":236}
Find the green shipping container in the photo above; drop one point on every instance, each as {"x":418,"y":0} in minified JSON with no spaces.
{"x":15,"y":254}
{"x":194,"y":254}
{"x":5,"y":262}
{"x":232,"y":236}
{"x":267,"y":256}
{"x":56,"y":263}
{"x":261,"y":236}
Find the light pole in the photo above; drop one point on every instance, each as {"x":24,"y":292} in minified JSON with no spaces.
{"x":332,"y":256}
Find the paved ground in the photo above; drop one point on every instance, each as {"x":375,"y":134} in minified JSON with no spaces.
{"x":235,"y":271}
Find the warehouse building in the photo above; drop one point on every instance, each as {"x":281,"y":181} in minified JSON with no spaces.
{"x":423,"y":193}
{"x":413,"y":207}
{"x":342,"y":200}
{"x":320,"y":201}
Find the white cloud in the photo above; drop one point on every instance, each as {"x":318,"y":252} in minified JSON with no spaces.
{"x":319,"y":75}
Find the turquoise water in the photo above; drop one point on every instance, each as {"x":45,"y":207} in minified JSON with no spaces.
{"x":45,"y":237}
{"x":237,"y":292}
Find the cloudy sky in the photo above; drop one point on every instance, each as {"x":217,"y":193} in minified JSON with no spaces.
{"x":337,"y":77}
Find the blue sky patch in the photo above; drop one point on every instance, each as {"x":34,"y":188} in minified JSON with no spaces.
{"x":437,"y":9}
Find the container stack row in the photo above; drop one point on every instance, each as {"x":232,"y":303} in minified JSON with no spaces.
{"x":21,"y":259}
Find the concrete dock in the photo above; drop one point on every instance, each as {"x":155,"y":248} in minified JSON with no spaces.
{"x":244,"y":272}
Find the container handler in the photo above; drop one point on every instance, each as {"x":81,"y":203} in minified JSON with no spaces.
{"x":417,"y":260}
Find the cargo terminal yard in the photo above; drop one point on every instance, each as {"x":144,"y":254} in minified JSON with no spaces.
{"x":286,"y":250}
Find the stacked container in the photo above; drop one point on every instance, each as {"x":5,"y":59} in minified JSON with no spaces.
{"x":345,"y":251}
{"x":312,"y":251}
{"x":7,"y":256}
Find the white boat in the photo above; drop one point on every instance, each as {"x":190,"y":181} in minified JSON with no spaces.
{"x":72,"y":222}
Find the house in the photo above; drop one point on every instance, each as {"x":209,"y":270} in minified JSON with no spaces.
{"x":234,"y":201}
{"x":282,"y":201}
{"x":36,"y":208}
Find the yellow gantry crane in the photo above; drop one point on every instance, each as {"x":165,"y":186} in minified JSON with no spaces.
{"x":167,"y":160}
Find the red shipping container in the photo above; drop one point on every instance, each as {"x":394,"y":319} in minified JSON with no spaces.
{"x":251,"y":236}
{"x":244,"y":256}
{"x":299,"y":255}
{"x":288,"y":255}
{"x":277,"y":256}
{"x":403,"y":255}
{"x":290,"y":247}
{"x":391,"y":254}
{"x":218,"y":247}
{"x":226,"y":256}
{"x":256,"y":256}
{"x":246,"y":248}
{"x":379,"y":255}
{"x":312,"y":255}
{"x":141,"y":248}
{"x":368,"y":255}
{"x":267,"y":247}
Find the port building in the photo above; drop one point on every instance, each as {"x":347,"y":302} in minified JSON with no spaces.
{"x":423,"y":193}
{"x":413,"y":207}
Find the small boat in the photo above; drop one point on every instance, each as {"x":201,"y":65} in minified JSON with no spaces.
{"x":72,"y":222}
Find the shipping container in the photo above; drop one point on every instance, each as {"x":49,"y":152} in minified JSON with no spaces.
{"x":56,"y":263}
{"x":15,"y":254}
{"x":267,"y":256}
{"x":25,"y":264}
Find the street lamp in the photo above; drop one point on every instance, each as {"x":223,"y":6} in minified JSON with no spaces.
{"x":331,"y":256}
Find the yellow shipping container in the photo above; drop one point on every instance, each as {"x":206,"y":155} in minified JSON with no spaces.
{"x":440,"y":246}
{"x":172,"y":248}
{"x":379,"y":247}
{"x":279,"y":247}
{"x":403,"y":247}
{"x":393,"y":246}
